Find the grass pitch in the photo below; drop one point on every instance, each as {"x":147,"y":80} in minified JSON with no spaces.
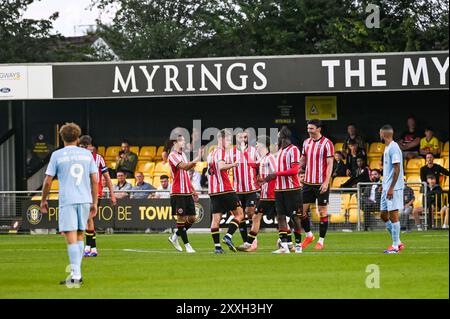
{"x":146,"y":266}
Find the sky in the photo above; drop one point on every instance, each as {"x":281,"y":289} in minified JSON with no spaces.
{"x":74,"y":15}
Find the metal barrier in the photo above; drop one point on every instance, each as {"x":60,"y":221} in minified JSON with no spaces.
{"x":342,"y":210}
{"x":348,"y":210}
{"x":414,"y":203}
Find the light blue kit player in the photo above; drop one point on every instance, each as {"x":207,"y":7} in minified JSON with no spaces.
{"x":393,"y":185}
{"x":77,"y":176}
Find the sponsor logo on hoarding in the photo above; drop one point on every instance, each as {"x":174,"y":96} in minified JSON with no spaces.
{"x":5,"y":90}
{"x":10,"y":76}
{"x":199,"y":212}
{"x":34,"y":214}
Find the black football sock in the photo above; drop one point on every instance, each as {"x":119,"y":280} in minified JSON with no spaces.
{"x":243,"y":229}
{"x":215,"y":236}
{"x":182,"y":232}
{"x":282,"y":233}
{"x":89,"y":235}
{"x":305,"y":223}
{"x":298,"y":236}
{"x":289,"y":236}
{"x":94,"y":241}
{"x":251,"y":237}
{"x":234,"y":224}
{"x":323,"y":226}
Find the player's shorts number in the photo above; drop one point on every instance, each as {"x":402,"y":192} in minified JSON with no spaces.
{"x":76,"y":171}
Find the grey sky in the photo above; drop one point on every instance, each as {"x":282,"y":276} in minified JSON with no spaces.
{"x":74,"y":15}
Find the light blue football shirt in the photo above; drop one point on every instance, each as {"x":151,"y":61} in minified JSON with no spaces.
{"x":392,"y":155}
{"x":73,"y":166}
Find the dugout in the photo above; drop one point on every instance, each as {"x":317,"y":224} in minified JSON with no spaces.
{"x":143,"y":100}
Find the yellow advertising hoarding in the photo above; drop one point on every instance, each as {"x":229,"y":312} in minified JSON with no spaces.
{"x":321,"y":107}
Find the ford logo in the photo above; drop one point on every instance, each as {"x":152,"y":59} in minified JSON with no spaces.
{"x":5,"y":90}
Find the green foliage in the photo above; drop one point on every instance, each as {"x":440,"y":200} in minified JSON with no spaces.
{"x":155,"y":29}
{"x":165,"y":29}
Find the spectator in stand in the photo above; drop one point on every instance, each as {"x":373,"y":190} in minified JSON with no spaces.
{"x":408,"y":201}
{"x":432,"y":169}
{"x":127,"y":160}
{"x":429,"y":144}
{"x":141,"y":186}
{"x":121,"y":186}
{"x":353,"y":136}
{"x":105,"y":189}
{"x":434,"y":202}
{"x":371,"y":198}
{"x":352,"y":157}
{"x":195,"y":178}
{"x":360,"y":175}
{"x":164,"y":188}
{"x":204,"y":178}
{"x":194,"y":146}
{"x":339,"y":168}
{"x":410,"y":140}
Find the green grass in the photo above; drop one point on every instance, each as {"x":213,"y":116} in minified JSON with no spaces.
{"x":31,"y":267}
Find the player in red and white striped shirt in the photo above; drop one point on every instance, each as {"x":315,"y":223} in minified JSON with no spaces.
{"x":317,"y":156}
{"x":90,"y":250}
{"x":288,"y":196}
{"x":266,"y":206}
{"x":244,"y":177}
{"x":182,"y":193}
{"x":223,"y":197}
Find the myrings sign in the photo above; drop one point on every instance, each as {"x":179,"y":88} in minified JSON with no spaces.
{"x":243,"y":75}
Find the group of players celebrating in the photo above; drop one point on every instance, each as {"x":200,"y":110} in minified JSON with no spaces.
{"x":255,"y":169}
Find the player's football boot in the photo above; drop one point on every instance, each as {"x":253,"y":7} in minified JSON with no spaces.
{"x":71,"y":281}
{"x":190,"y":250}
{"x":400,"y":247}
{"x":87,"y":253}
{"x":281,"y":251}
{"x":219,"y":250}
{"x":319,"y":246}
{"x":175,"y":243}
{"x":298,"y":249}
{"x":279,"y":243}
{"x":307,"y":241}
{"x":93,"y":253}
{"x":391,"y":251}
{"x":246,"y":247}
{"x":255,"y":244}
{"x":291,"y":247}
{"x":227,"y":241}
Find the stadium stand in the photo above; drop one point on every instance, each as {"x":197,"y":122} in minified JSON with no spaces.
{"x":147,"y":168}
{"x":337,"y":181}
{"x":112,"y":152}
{"x":376,"y":150}
{"x":101,"y":150}
{"x":147,"y":153}
{"x":413,"y":166}
{"x":444,"y":152}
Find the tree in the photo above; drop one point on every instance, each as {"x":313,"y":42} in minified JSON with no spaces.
{"x":24,"y":40}
{"x":155,"y":29}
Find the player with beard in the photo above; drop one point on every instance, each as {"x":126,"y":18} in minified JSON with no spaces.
{"x":244,"y":178}
{"x":317,"y":157}
{"x":223,"y":196}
